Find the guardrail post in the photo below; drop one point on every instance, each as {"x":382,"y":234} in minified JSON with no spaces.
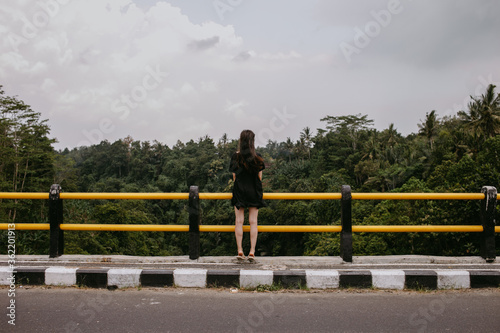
{"x":55,"y":219}
{"x":346,"y":220}
{"x":488,"y":206}
{"x":194,"y":223}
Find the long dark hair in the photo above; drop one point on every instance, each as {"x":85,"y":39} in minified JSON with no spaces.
{"x":247,"y":156}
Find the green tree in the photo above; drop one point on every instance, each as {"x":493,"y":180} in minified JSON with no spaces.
{"x":482,"y":120}
{"x":429,"y":127}
{"x":289,"y":148}
{"x":351,"y":126}
{"x":26,"y":152}
{"x":306,"y":139}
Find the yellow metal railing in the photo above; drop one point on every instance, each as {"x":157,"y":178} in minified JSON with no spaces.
{"x":125,"y":227}
{"x":261,"y":228}
{"x":488,"y":228}
{"x":128,"y":196}
{"x":417,"y":196}
{"x":23,"y":195}
{"x":169,"y":196}
{"x":267,"y":196}
{"x":25,"y":226}
{"x":417,"y":228}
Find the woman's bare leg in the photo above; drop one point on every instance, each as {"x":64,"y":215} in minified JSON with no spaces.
{"x":238,"y":229}
{"x":253,"y":212}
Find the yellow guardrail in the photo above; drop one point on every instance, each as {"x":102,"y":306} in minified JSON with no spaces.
{"x":120,"y":196}
{"x":246,"y":228}
{"x":124,"y":227}
{"x":169,"y":196}
{"x":266,"y":196}
{"x":215,"y":196}
{"x":23,"y":195}
{"x":277,"y":196}
{"x":417,"y":196}
{"x":102,"y":196}
{"x":274,"y":228}
{"x":417,"y":228}
{"x":302,"y":196}
{"x":261,"y":228}
{"x":26,"y":226}
{"x":194,"y":227}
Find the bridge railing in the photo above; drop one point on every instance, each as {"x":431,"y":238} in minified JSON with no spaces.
{"x":487,"y":226}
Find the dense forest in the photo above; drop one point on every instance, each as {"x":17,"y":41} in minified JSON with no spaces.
{"x":457,"y":153}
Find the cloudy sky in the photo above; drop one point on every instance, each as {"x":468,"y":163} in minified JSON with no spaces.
{"x":181,"y":69}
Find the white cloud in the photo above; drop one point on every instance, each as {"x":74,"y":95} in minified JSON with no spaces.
{"x":236,"y":109}
{"x":195,"y":126}
{"x":209,"y":86}
{"x":280,"y":56}
{"x":187,"y":89}
{"x":48,"y":85}
{"x":90,"y":62}
{"x":89,"y":55}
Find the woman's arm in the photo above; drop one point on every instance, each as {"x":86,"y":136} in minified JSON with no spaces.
{"x":234,"y":177}
{"x":260,"y":175}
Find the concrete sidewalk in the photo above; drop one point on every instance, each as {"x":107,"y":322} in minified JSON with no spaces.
{"x":261,"y":263}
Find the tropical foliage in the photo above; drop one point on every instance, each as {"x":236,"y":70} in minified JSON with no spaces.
{"x":457,"y":153}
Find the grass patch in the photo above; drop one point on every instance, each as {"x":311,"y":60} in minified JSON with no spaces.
{"x":420,"y":288}
{"x":303,"y":287}
{"x":265,"y":287}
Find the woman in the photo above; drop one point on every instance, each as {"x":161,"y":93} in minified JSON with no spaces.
{"x":246,"y":166}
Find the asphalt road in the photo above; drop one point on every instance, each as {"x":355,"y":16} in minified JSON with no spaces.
{"x":43,"y":309}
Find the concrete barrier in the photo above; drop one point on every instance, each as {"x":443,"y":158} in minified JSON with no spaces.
{"x":60,"y":276}
{"x":254,"y":278}
{"x":124,"y":277}
{"x":244,"y":278}
{"x":388,"y":279}
{"x":322,"y":279}
{"x":453,"y":279}
{"x":5,"y":274}
{"x":190,"y":277}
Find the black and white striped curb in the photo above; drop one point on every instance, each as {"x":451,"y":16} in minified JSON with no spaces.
{"x":202,"y":278}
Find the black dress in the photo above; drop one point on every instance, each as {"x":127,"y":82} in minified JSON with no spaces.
{"x":247,"y":189}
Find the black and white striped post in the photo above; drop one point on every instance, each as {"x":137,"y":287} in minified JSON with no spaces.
{"x":55,"y":220}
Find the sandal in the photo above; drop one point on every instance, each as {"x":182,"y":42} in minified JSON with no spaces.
{"x":251,"y":257}
{"x":240,"y":256}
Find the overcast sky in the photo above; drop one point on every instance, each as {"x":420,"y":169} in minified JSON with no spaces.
{"x":182,"y":69}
